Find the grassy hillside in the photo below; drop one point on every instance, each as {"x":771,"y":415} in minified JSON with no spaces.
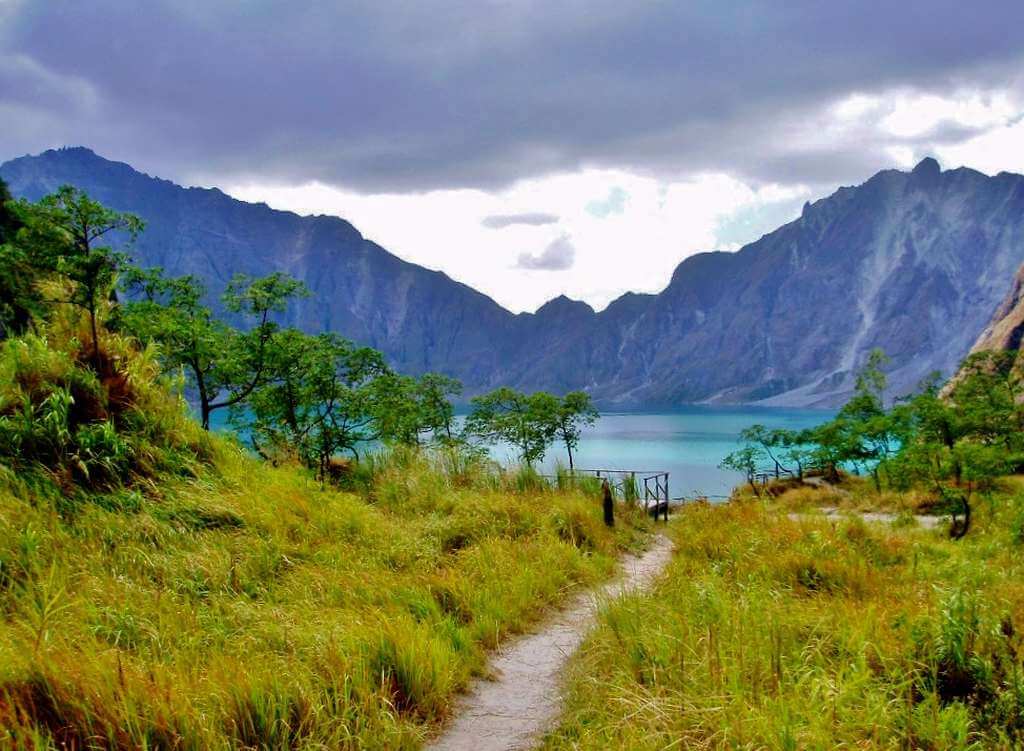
{"x":770,"y":631}
{"x":248,"y":608}
{"x":162,"y":588}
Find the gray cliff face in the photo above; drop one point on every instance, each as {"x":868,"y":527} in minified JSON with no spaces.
{"x":914,"y":263}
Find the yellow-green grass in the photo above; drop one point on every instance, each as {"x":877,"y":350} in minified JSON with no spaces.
{"x":250,"y":609}
{"x":852,"y":493}
{"x":780,"y":633}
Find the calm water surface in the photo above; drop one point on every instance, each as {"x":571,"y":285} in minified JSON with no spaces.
{"x":688,"y":443}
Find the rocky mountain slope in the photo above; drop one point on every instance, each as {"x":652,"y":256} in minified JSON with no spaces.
{"x":912,"y":262}
{"x":422,"y":319}
{"x":1006,"y":329}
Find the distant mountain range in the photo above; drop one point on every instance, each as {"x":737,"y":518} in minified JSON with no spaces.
{"x":914,"y":262}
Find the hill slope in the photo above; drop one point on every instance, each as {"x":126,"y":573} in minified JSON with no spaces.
{"x":248,"y":609}
{"x":912,"y":262}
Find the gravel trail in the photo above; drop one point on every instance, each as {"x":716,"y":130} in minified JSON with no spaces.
{"x":513,"y":710}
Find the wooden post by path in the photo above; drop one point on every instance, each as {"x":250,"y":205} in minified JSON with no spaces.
{"x":609,"y":504}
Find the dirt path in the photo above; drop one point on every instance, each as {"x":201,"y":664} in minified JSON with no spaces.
{"x":834,"y":514}
{"x":512,"y":711}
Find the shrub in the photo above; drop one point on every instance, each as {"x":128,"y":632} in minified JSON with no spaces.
{"x":92,"y":429}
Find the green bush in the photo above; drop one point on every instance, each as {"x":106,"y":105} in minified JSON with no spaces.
{"x":86,"y":429}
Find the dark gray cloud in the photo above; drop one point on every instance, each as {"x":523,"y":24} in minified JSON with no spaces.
{"x":557,"y":256}
{"x":531,"y":219}
{"x":414,"y":96}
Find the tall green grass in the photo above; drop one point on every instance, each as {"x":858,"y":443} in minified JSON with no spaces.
{"x":773,"y":632}
{"x":246,"y":608}
{"x":85,"y":422}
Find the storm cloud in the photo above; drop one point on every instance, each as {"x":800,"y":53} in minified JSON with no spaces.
{"x":404,"y":96}
{"x":557,"y":256}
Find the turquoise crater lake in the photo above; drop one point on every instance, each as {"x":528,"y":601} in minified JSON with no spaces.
{"x":688,"y":443}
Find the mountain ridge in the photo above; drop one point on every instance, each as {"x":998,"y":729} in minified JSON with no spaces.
{"x":913,"y":262}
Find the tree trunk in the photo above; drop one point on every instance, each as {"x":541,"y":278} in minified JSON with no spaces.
{"x":95,"y":340}
{"x":569,"y":449}
{"x":958,"y":529}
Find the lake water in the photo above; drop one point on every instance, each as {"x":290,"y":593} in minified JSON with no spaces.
{"x":688,"y":443}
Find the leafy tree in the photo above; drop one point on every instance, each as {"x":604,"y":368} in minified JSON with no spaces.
{"x":321,"y":400}
{"x":435,"y":392}
{"x":526,"y":421}
{"x":64,"y":234}
{"x":745,"y":460}
{"x":770,"y":442}
{"x":20,"y":298}
{"x":832,"y":445}
{"x":225,"y":365}
{"x":987,"y":395}
{"x":575,"y":411}
{"x":397,"y":409}
{"x":408,"y":408}
{"x":9,"y":221}
{"x":795,"y":449}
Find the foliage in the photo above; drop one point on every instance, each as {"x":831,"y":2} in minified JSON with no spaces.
{"x":319,"y":400}
{"x":88,"y":428}
{"x":526,"y":421}
{"x":61,"y":236}
{"x":19,"y":297}
{"x":407,"y":409}
{"x":224,"y":365}
{"x":574,"y":413}
{"x":744,"y":460}
{"x":953,"y":441}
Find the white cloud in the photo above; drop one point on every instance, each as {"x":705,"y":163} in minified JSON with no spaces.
{"x":996,"y":150}
{"x":915,"y":115}
{"x":630,"y":230}
{"x":633,"y":248}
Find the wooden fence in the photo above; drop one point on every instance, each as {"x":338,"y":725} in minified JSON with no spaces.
{"x":650,"y":486}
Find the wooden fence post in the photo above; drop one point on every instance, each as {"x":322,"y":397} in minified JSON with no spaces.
{"x":609,"y":504}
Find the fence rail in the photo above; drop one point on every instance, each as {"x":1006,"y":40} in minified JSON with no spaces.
{"x":650,"y":486}
{"x":775,"y":471}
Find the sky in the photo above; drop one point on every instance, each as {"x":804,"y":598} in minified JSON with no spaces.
{"x":529,"y":149}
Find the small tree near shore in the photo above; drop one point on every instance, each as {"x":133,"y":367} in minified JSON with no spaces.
{"x":574,"y":413}
{"x":526,"y":421}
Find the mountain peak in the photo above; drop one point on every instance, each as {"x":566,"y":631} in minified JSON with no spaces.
{"x":927,"y":167}
{"x":79,"y":153}
{"x":562,"y":305}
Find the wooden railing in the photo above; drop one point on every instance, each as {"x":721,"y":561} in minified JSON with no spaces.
{"x":632,"y":485}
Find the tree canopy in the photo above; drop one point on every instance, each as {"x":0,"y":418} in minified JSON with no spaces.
{"x":530,"y":422}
